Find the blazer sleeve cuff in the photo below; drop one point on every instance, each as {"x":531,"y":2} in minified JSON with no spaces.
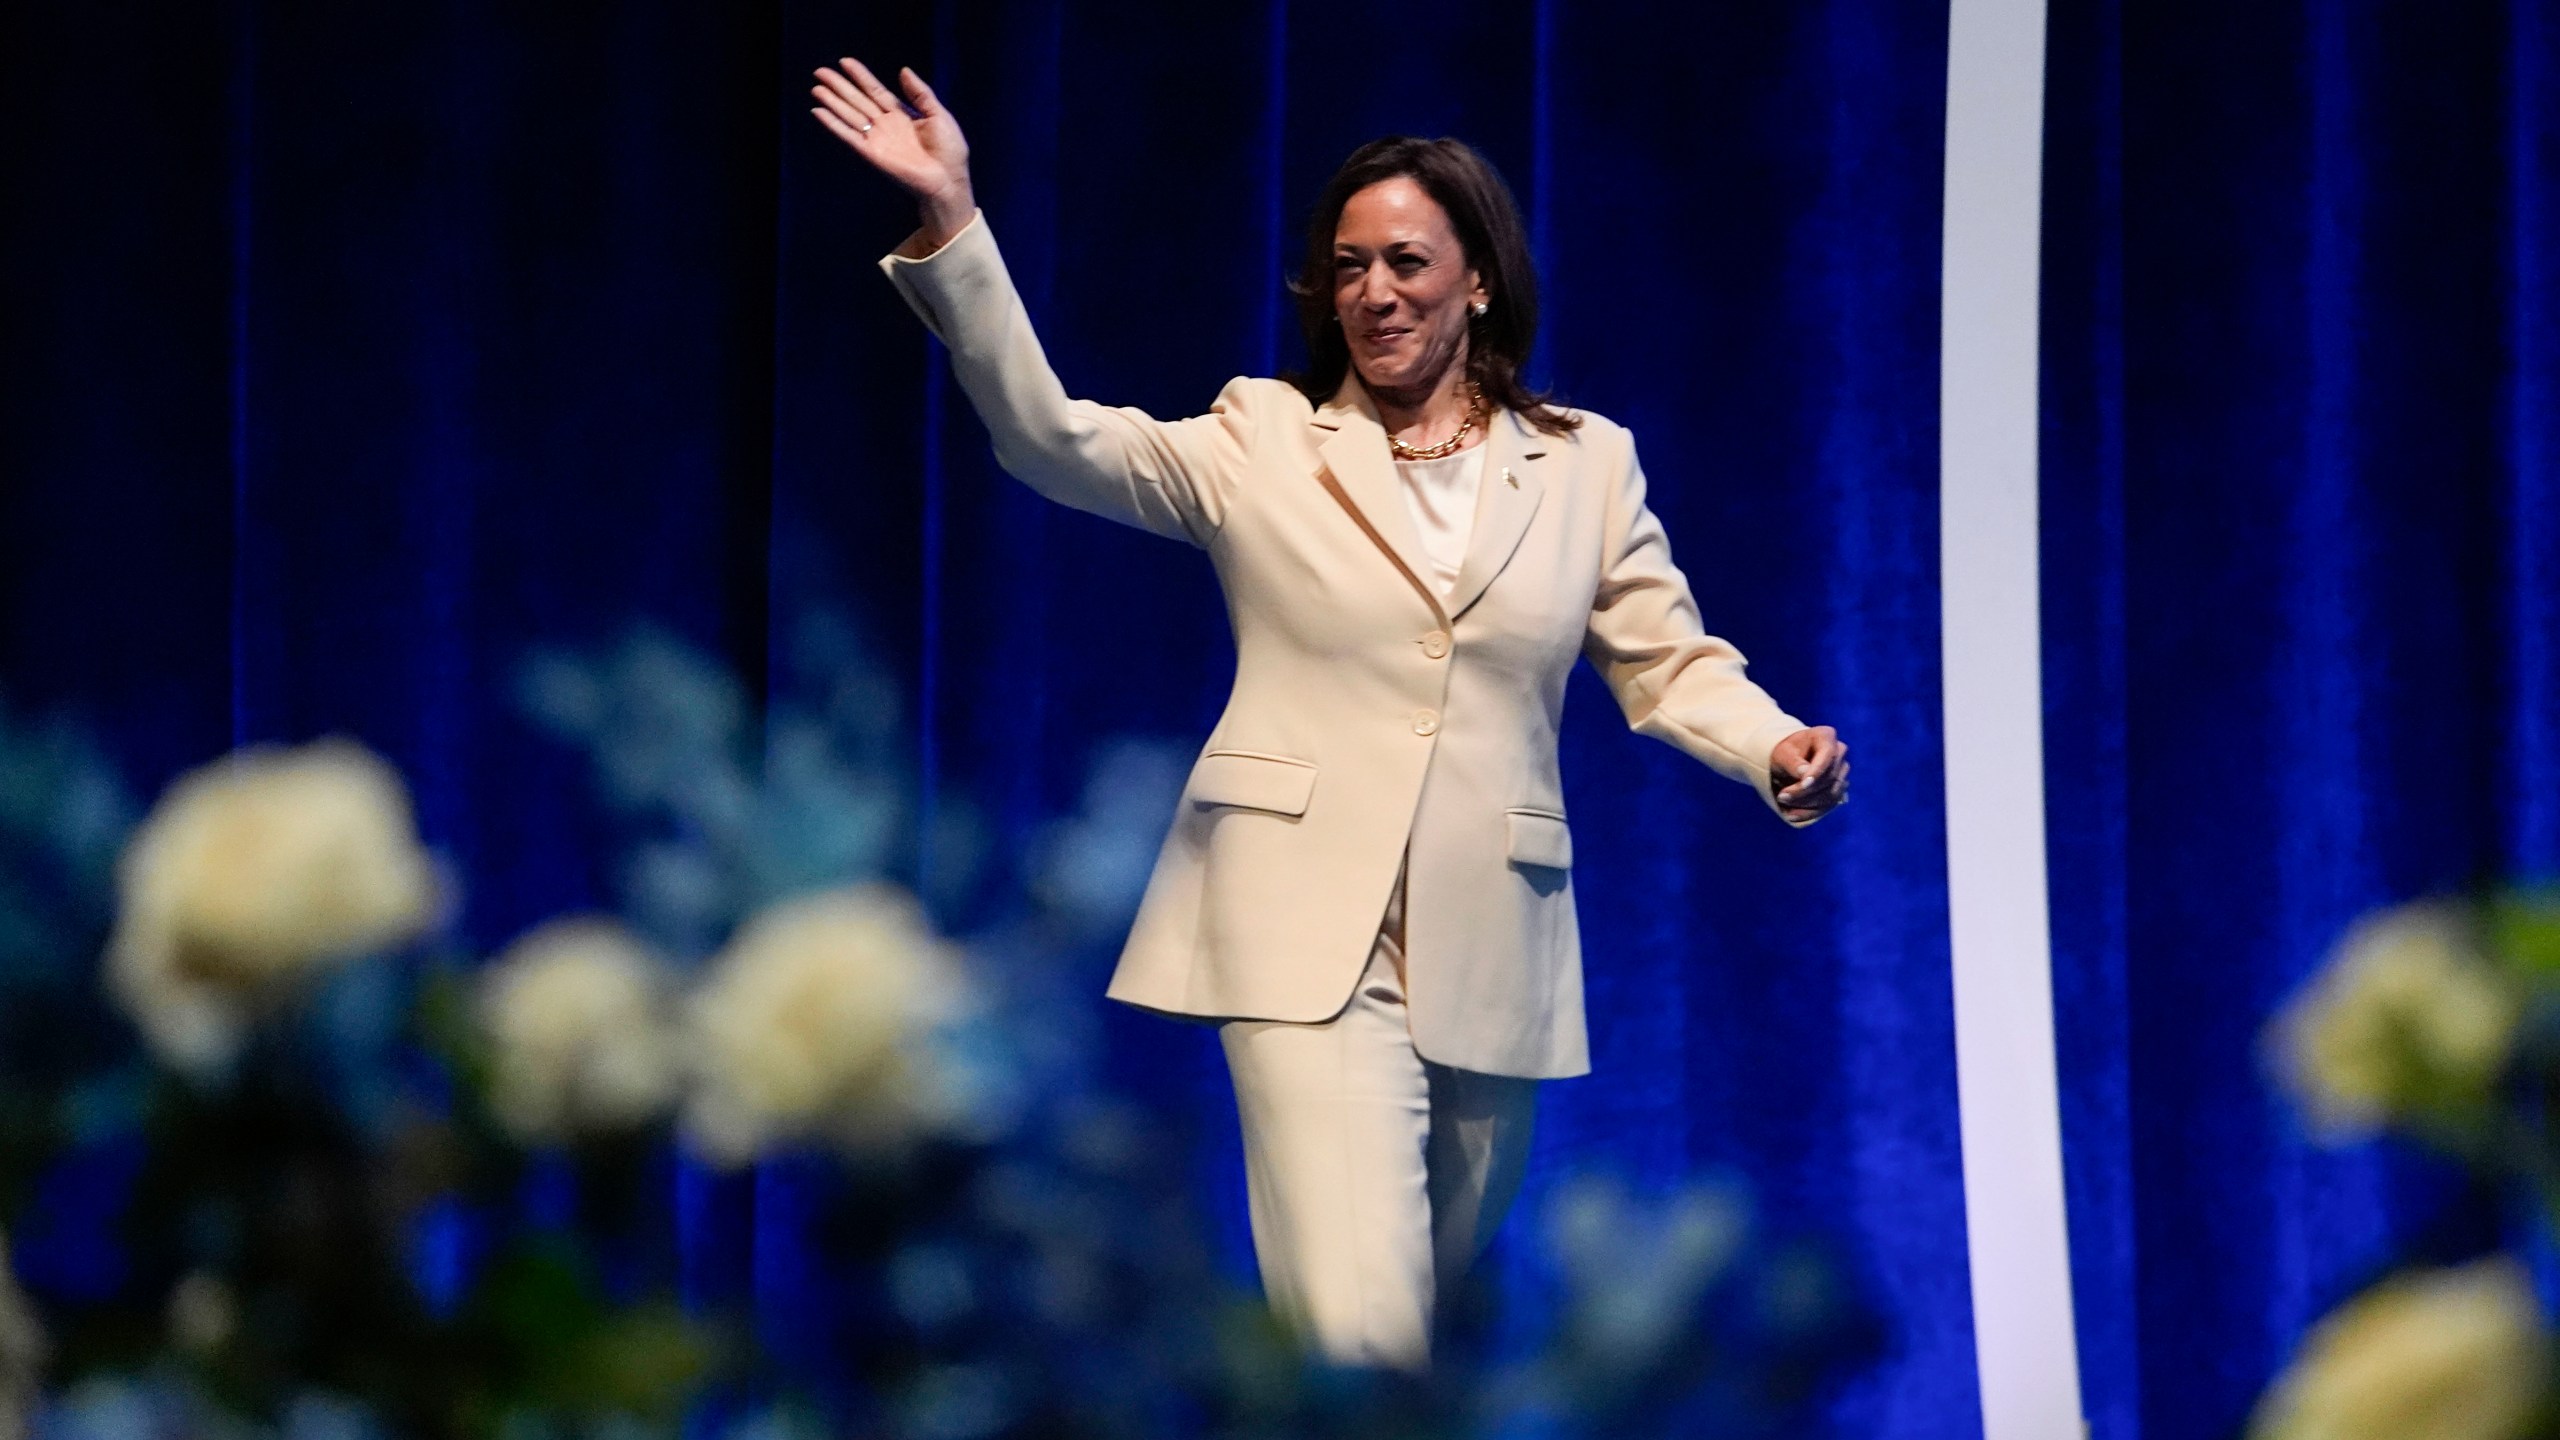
{"x":930,"y":282}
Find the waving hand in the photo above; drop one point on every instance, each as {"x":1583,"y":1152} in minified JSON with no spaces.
{"x":923,"y":151}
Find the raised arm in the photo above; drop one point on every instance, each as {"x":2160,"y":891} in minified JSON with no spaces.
{"x":1683,"y":686}
{"x":1173,"y":478}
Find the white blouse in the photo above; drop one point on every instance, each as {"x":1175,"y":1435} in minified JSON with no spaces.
{"x":1440,"y":495}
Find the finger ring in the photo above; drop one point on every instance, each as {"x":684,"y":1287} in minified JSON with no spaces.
{"x":864,"y":127}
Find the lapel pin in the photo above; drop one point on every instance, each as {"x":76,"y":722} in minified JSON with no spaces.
{"x":1507,"y":480}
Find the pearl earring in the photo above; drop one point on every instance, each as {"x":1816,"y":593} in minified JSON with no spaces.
{"x":1478,"y":309}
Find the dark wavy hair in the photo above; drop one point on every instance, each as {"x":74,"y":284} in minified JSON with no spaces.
{"x":1487,"y":222}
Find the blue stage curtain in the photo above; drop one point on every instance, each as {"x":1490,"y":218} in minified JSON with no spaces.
{"x":2302,"y":618}
{"x":353,"y":350}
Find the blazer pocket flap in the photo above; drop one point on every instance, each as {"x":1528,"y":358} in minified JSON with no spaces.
{"x":1540,"y":838}
{"x":1256,"y":782}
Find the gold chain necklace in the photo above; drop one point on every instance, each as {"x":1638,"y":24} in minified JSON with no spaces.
{"x":1475,"y":411}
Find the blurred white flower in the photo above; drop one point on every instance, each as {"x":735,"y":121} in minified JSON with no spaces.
{"x":252,"y":873}
{"x":203,"y":1314}
{"x":2409,"y":1018}
{"x":23,"y":1353}
{"x":2456,"y":1354}
{"x":817,"y":1023}
{"x":577,"y":1014}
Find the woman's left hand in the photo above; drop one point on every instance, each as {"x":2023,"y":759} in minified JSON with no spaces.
{"x":1813,"y":766}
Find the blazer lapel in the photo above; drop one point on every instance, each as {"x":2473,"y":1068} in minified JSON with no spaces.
{"x":1505,"y":500}
{"x":1355,"y":453}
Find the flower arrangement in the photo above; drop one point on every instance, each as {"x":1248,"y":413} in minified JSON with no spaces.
{"x":280,"y":1155}
{"x":2439,"y":1021}
{"x":811,"y":1027}
{"x":248,"y":875}
{"x":581,"y":1041}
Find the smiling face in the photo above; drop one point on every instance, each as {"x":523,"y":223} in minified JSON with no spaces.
{"x":1401,"y":288}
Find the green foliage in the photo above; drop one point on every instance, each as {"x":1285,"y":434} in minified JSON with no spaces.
{"x":579,"y":1354}
{"x":2524,"y":932}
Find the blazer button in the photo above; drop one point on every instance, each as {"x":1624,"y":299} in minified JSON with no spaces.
{"x":1436,"y":644}
{"x":1425,"y":722}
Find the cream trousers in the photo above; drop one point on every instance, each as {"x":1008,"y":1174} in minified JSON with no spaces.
{"x":1375,"y":1177}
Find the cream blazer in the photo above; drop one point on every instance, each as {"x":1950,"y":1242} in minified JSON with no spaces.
{"x":1372,"y":725}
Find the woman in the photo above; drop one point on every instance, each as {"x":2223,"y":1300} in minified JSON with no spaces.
{"x":1367,"y":885}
